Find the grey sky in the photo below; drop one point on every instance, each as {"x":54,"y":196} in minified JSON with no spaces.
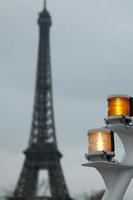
{"x":92,"y":57}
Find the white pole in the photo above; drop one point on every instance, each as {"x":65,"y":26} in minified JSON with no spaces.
{"x":123,"y":179}
{"x":119,"y":186}
{"x":117,"y":176}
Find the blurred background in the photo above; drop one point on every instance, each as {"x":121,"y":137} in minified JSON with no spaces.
{"x":92,"y":57}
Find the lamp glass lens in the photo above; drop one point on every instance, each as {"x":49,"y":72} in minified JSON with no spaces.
{"x":100,"y":141}
{"x":118,"y":106}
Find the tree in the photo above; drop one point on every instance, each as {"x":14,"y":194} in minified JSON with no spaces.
{"x":94,"y":196}
{"x":4,"y":193}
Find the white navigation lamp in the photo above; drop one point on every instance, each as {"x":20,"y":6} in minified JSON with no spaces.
{"x":120,"y":109}
{"x":101,"y":144}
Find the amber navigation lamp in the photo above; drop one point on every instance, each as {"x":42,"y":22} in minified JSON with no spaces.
{"x":120,"y":109}
{"x":101,"y":145}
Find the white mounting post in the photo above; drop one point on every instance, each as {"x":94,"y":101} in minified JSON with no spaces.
{"x":125,"y":133}
{"x":117,"y":176}
{"x":122,"y":178}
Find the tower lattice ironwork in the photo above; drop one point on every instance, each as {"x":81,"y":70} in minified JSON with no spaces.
{"x":42,"y":152}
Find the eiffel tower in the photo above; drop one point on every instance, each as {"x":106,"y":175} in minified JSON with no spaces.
{"x":42,"y":152}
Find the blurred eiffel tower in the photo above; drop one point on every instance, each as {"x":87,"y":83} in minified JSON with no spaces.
{"x":42,"y":152}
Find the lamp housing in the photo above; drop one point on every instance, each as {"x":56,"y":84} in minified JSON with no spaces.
{"x":120,"y":105}
{"x":101,"y":144}
{"x":120,"y":109}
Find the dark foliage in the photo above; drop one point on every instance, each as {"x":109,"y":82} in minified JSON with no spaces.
{"x":94,"y":196}
{"x":97,"y":196}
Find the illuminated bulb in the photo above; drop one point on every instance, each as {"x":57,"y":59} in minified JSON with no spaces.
{"x":100,"y":140}
{"x":119,"y":105}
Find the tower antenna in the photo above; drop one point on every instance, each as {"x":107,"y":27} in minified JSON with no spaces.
{"x":45,"y":4}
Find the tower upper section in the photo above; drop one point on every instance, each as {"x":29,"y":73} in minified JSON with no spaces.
{"x":44,"y":16}
{"x":43,"y":125}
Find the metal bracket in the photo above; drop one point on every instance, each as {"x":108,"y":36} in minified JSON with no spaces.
{"x":116,"y":176}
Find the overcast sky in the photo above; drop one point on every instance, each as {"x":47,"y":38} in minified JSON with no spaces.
{"x":92,"y":57}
